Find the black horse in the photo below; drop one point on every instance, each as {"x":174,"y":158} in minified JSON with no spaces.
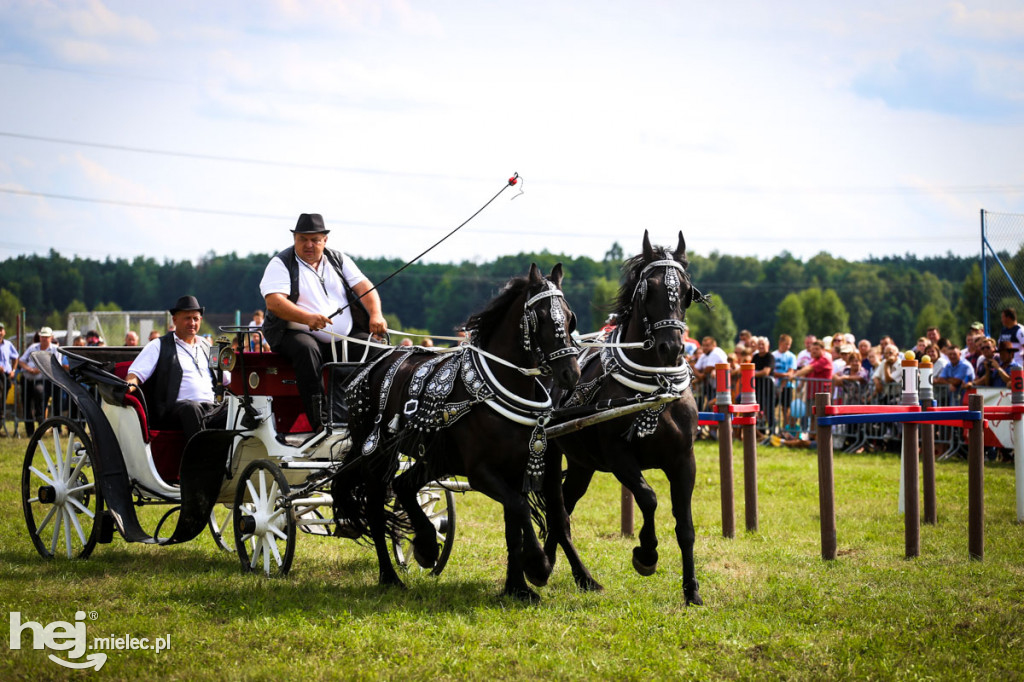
{"x":478,"y":412}
{"x":642,"y":357}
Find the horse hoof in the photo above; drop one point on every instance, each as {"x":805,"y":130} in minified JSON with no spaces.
{"x":523,"y":594}
{"x":392,"y":581}
{"x":424,"y":560}
{"x":641,"y":567}
{"x":588,"y":584}
{"x":693,"y":599}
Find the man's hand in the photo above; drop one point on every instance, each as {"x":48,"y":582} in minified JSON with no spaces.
{"x":316,"y":322}
{"x":378,"y":325}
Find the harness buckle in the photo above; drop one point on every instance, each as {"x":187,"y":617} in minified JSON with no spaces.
{"x":410,"y":407}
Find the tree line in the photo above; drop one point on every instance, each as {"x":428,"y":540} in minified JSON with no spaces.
{"x":898,"y":296}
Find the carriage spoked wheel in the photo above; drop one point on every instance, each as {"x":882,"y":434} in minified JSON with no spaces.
{"x":263,"y":523}
{"x":222,"y":528}
{"x":439,"y":506}
{"x":59,"y":496}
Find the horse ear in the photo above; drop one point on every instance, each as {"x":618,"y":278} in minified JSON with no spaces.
{"x":556,"y":275}
{"x":680,"y":252}
{"x":535,"y":276}
{"x":648,"y":249}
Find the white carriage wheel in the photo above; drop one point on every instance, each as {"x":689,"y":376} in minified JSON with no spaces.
{"x":59,"y":495}
{"x":263,"y":523}
{"x":439,"y":506}
{"x":222,"y":528}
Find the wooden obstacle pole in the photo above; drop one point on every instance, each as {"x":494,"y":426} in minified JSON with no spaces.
{"x":627,"y":513}
{"x":911,"y":506}
{"x":976,"y":482}
{"x":1017,"y":388}
{"x":927,"y":399}
{"x":723,"y":398}
{"x":749,"y":397}
{"x":826,"y":479}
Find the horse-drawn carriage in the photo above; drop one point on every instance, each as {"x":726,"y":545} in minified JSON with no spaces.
{"x":483,"y":412}
{"x":252,"y":485}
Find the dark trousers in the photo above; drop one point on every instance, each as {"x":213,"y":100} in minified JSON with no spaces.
{"x":33,"y":395}
{"x":5,"y":384}
{"x":194,"y":416}
{"x":308,"y":356}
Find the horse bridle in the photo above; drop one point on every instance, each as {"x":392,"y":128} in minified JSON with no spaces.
{"x":673,"y":286}
{"x":528,"y":327}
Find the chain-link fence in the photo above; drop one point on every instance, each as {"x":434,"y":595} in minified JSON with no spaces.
{"x":1002,"y":244}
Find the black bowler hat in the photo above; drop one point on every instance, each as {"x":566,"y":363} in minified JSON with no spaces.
{"x":310,"y":223}
{"x":187,"y":303}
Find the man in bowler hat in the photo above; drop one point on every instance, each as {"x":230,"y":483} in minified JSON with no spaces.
{"x":315,"y":296}
{"x":174,"y":370}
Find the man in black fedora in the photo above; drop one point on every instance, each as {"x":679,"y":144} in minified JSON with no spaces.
{"x":305,"y":286}
{"x":174,"y":370}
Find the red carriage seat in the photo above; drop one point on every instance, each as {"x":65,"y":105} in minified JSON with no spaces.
{"x":271,"y":374}
{"x":167,"y":445}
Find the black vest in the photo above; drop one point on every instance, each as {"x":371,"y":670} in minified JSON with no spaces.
{"x":161,"y":389}
{"x":274,"y":327}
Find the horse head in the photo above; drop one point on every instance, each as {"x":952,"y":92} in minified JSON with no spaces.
{"x":547,"y":326}
{"x":661,"y":293}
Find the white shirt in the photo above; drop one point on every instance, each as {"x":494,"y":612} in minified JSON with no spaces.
{"x":803,"y":358}
{"x":315,"y":297}
{"x":195,"y":368}
{"x":26,"y":359}
{"x":717,"y":356}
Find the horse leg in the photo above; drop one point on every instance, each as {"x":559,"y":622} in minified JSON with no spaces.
{"x":577,"y":480}
{"x":378,"y":532}
{"x":559,"y":530}
{"x":681,"y":486}
{"x":424,"y":542}
{"x":645,"y":556}
{"x":518,"y":528}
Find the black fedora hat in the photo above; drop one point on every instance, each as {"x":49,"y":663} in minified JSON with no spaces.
{"x":187,"y":303}
{"x":310,"y":223}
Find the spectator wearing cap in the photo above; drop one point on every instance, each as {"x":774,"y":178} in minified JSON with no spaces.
{"x":975,"y":332}
{"x":316,"y":297}
{"x":174,"y":371}
{"x":34,"y":382}
{"x":8,"y":363}
{"x":1014,"y":333}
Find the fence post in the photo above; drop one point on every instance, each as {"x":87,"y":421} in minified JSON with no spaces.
{"x":723,"y":399}
{"x":976,"y":482}
{"x":826,"y":480}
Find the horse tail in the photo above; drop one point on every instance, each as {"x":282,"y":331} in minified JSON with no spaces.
{"x":349,"y":502}
{"x":538,"y":509}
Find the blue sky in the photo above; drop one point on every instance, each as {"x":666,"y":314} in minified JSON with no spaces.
{"x":174,"y":129}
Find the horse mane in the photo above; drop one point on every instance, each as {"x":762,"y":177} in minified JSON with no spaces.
{"x":482,"y":325}
{"x":622,"y":308}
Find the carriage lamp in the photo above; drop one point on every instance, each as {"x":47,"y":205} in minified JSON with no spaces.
{"x":226,"y":358}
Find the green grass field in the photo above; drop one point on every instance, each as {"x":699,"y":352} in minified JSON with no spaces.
{"x":773,"y":609}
